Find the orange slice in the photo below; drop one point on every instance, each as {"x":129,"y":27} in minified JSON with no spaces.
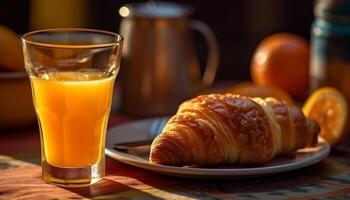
{"x":328,"y":107}
{"x":250,"y":89}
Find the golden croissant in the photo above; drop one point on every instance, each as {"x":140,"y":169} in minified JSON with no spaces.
{"x":220,"y":129}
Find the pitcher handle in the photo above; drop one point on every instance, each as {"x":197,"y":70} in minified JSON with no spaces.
{"x":213,"y":51}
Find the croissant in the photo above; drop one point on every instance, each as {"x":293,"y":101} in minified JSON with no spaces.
{"x":219,"y":129}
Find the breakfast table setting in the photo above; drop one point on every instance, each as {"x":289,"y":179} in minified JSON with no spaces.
{"x":21,"y":177}
{"x":134,"y":114}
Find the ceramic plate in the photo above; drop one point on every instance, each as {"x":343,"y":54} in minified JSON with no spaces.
{"x":146,"y":129}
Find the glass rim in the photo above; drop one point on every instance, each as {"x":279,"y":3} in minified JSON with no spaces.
{"x":26,"y":40}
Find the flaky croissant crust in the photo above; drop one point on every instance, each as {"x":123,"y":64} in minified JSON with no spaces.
{"x":227,"y":129}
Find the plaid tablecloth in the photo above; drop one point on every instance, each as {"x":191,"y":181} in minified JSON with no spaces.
{"x":20,"y":178}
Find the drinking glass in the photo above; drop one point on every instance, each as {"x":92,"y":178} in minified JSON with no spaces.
{"x":72,"y":73}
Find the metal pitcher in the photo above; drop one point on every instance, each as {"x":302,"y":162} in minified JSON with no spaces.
{"x":160,"y":68}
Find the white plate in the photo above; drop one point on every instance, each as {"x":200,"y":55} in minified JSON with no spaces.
{"x":140,"y":130}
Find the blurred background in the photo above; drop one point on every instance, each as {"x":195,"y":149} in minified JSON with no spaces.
{"x":239,"y":25}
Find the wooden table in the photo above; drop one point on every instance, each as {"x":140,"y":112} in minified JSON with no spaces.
{"x":20,"y":178}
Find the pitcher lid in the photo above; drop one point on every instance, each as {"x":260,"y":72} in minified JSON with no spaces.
{"x":155,"y":9}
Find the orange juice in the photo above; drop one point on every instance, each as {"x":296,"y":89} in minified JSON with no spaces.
{"x":73,"y":110}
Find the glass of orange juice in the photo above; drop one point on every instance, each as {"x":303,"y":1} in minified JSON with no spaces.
{"x":72,"y":73}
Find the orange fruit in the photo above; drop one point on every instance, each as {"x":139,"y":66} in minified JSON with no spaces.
{"x":250,"y":89}
{"x":328,"y":107}
{"x":11,"y":53}
{"x":282,"y":60}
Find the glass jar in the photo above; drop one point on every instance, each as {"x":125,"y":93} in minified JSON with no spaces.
{"x":330,"y":46}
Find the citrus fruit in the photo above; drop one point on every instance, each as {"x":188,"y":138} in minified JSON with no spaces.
{"x":328,"y":107}
{"x":250,"y":89}
{"x":282,"y":60}
{"x":11,"y":54}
